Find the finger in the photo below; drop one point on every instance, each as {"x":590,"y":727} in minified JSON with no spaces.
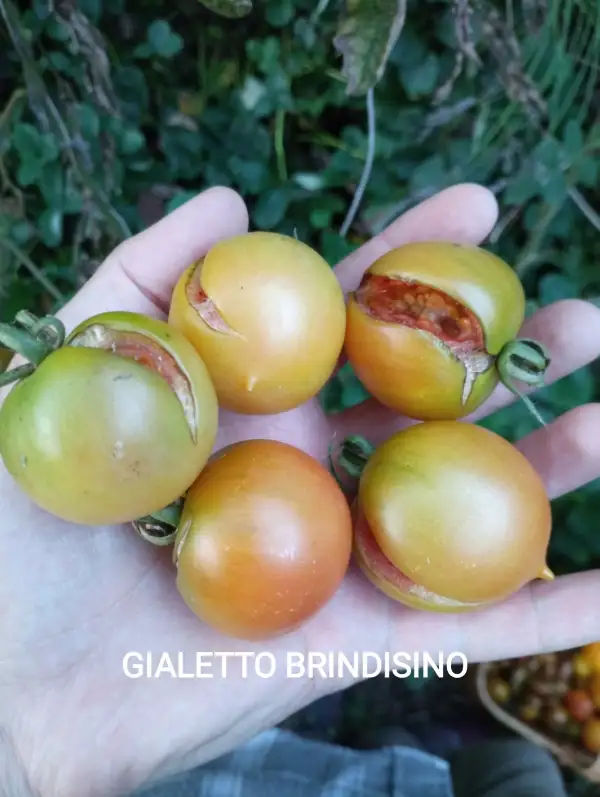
{"x":140,"y":274}
{"x":570,"y":330}
{"x":464,"y":213}
{"x":566,"y":453}
{"x":541,"y":618}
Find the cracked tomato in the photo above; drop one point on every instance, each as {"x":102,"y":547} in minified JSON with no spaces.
{"x":451,"y":517}
{"x":112,"y":426}
{"x":268,"y":317}
{"x":426,"y":325}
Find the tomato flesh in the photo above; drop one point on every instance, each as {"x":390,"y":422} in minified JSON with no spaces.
{"x":204,"y":305}
{"x":419,"y":306}
{"x":425,"y":326}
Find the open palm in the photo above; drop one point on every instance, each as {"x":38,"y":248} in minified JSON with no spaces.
{"x":74,"y":601}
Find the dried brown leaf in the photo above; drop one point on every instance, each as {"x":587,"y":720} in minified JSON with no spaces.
{"x":366,"y":36}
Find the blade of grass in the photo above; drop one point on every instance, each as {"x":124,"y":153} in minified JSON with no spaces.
{"x":35,"y":272}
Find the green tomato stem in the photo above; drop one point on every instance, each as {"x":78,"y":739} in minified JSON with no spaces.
{"x":157,"y":534}
{"x":15,"y":374}
{"x":351,"y":458}
{"x":22,"y":342}
{"x":160,"y":528}
{"x":31,"y":337}
{"x":170,"y":515}
{"x":524,"y":360}
{"x":48,"y":329}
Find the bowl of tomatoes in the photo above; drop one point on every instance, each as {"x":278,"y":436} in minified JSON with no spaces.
{"x":552,"y":699}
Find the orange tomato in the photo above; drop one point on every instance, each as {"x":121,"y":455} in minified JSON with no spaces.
{"x":426,"y":323}
{"x":591,"y":654}
{"x":264,"y":540}
{"x":268,"y":317}
{"x":593,"y":688}
{"x":590,"y":735}
{"x":579,"y":704}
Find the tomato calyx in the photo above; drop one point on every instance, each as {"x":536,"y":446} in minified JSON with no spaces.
{"x":201,"y":302}
{"x":347,"y":461}
{"x":524,"y":360}
{"x":160,"y":528}
{"x":412,"y":304}
{"x":146,"y":352}
{"x":32,"y":338}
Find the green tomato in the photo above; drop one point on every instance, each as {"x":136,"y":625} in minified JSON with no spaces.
{"x":113,"y":426}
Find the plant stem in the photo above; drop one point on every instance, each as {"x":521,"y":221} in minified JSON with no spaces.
{"x":170,"y":515}
{"x":368,"y":167}
{"x":320,"y":9}
{"x":33,"y":338}
{"x":32,"y":268}
{"x":351,"y":458}
{"x":23,"y":342}
{"x":14,"y":375}
{"x":584,"y":206}
{"x":280,"y":145}
{"x":525,"y":361}
{"x":157,"y":534}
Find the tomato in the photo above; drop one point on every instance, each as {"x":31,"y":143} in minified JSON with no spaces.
{"x":499,"y":690}
{"x":579,"y":704}
{"x":590,"y":735}
{"x":114,"y":425}
{"x":591,"y":654}
{"x":581,"y":667}
{"x":426,"y":324}
{"x":264,"y":540}
{"x":268,"y":317}
{"x":593,"y":688}
{"x":450,"y":517}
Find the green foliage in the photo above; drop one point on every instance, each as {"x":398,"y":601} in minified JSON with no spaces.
{"x":113,"y":115}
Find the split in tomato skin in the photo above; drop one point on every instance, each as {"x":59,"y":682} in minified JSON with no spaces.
{"x":264,"y":540}
{"x":451,"y":517}
{"x":114,"y":425}
{"x":268,"y":317}
{"x":419,"y":306}
{"x":384,"y":575}
{"x":426,"y":324}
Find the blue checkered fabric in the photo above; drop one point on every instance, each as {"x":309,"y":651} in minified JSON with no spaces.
{"x":278,"y":763}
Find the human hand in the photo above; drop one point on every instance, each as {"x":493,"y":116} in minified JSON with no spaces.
{"x":75,"y":601}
